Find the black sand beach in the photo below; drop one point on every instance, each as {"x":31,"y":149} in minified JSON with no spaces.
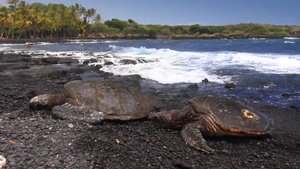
{"x":34,"y":139}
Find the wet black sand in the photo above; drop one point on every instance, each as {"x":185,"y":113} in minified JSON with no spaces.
{"x":33,"y":139}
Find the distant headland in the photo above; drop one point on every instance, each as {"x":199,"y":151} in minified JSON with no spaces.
{"x":21,"y":20}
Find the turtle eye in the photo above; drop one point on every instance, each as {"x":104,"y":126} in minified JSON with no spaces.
{"x":155,"y":118}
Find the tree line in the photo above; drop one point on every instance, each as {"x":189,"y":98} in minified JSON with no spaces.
{"x":131,"y":28}
{"x":37,"y":20}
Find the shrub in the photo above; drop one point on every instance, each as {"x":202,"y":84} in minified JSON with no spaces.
{"x":165,"y":31}
{"x":142,"y":30}
{"x":194,"y":28}
{"x":152,"y":33}
{"x":116,"y":23}
{"x":129,"y":30}
{"x":180,"y":30}
{"x":196,"y":34}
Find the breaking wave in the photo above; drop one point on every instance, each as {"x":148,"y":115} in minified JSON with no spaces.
{"x":167,"y":65}
{"x":170,"y":66}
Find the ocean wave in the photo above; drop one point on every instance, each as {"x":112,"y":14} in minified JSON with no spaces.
{"x":291,"y":38}
{"x":292,"y":42}
{"x":175,"y":66}
{"x":11,"y":44}
{"x":171,"y":66}
{"x":110,"y":41}
{"x":76,"y":41}
{"x":42,"y":43}
{"x":135,"y":50}
{"x":24,"y":44}
{"x":4,"y":48}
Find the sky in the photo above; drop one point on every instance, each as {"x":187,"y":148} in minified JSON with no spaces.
{"x":189,"y":12}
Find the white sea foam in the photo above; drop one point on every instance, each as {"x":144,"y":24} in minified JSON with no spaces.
{"x":171,"y":66}
{"x":292,"y":42}
{"x":174,"y":66}
{"x":109,"y":41}
{"x":291,"y":38}
{"x":11,"y":44}
{"x":4,"y":48}
{"x":42,"y":43}
{"x":83,"y":41}
{"x":258,"y":38}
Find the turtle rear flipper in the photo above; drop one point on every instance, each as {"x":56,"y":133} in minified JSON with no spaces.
{"x":68,"y":111}
{"x":191,"y":134}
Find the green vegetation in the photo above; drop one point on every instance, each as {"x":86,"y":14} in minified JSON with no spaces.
{"x":37,"y":20}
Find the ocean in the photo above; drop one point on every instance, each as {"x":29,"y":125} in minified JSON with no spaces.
{"x":265,"y":71}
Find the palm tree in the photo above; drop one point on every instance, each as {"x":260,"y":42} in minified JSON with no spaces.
{"x":20,"y":20}
{"x":23,"y":11}
{"x":90,"y":13}
{"x":14,"y":20}
{"x":4,"y":14}
{"x":83,"y":13}
{"x":36,"y":12}
{"x":97,"y":18}
{"x":10,"y":20}
{"x":61,"y":12}
{"x":77,"y":7}
{"x":44,"y":20}
{"x":52,"y":15}
{"x":72,"y":21}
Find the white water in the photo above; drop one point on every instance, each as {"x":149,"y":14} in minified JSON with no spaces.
{"x":291,"y":38}
{"x":292,"y":42}
{"x":171,"y":66}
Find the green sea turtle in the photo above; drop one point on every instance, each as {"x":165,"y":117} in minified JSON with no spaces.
{"x":94,"y":101}
{"x":213,"y":116}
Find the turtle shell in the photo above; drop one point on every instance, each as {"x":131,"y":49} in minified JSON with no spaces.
{"x":232,"y":116}
{"x":116,"y":101}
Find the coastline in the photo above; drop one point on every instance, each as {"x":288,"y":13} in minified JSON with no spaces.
{"x":230,"y":36}
{"x":35,"y":139}
{"x":237,"y":36}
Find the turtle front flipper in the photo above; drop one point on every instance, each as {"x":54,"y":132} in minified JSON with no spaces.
{"x":191,"y":134}
{"x":68,"y":111}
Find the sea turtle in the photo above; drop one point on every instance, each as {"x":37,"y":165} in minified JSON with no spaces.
{"x":214,"y":116}
{"x":94,"y":101}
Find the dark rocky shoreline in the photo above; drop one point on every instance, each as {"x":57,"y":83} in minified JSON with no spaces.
{"x":34,"y":139}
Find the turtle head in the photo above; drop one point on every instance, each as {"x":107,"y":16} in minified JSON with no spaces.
{"x":174,"y":118}
{"x":162,"y":119}
{"x":46,"y":101}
